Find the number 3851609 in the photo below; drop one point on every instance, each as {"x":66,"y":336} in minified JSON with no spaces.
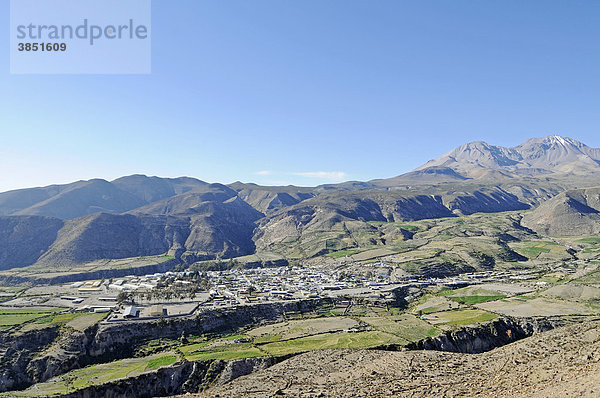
{"x":42,"y":46}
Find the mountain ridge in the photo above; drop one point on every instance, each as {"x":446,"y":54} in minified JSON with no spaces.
{"x":191,"y":219}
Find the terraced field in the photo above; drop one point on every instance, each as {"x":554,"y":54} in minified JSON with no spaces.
{"x":406,"y":326}
{"x":536,"y":307}
{"x":301,"y":328}
{"x":331,"y":340}
{"x":229,"y":351}
{"x":11,"y":317}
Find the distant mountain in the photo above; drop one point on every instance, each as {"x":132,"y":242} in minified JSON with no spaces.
{"x":555,"y":153}
{"x":563,"y":160}
{"x":428,"y":175}
{"x":86,"y":197}
{"x":537,"y":156}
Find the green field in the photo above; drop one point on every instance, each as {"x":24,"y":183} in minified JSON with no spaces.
{"x":226,"y":352}
{"x":189,"y":348}
{"x":471,"y":300}
{"x":160,"y":362}
{"x":407,"y":327}
{"x":314,"y":334}
{"x":332,"y":340}
{"x":16,"y":316}
{"x":35,"y":318}
{"x":343,"y":253}
{"x":268,"y":339}
{"x":460,"y":317}
{"x":408,"y":227}
{"x":12,"y":289}
{"x":554,"y":278}
{"x":591,"y":278}
{"x":534,"y":249}
{"x":301,"y":328}
{"x":591,"y":240}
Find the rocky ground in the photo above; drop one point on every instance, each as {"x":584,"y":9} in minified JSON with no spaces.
{"x":564,"y":362}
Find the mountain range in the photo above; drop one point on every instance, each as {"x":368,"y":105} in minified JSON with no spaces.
{"x":537,"y":156}
{"x":194,"y":220}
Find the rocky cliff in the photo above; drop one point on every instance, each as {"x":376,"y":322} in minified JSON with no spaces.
{"x":16,"y":352}
{"x":487,"y":336}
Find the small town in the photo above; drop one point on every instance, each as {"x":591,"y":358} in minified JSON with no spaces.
{"x":177,"y":294}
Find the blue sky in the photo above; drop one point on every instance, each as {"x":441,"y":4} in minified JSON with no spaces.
{"x":309,"y":92}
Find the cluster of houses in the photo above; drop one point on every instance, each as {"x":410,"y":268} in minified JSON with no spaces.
{"x":127,"y":284}
{"x":105,"y":293}
{"x":242,"y":286}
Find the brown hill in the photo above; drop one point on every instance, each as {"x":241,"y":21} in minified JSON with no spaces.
{"x":210,"y":220}
{"x":570,"y":213}
{"x":212,"y":230}
{"x":186,"y":202}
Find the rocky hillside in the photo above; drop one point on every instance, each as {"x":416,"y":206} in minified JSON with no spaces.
{"x":24,"y":239}
{"x":189,"y":201}
{"x":270,"y":199}
{"x":344,"y":219}
{"x":570,"y":213}
{"x":151,"y":189}
{"x":209,"y":229}
{"x":214,"y":220}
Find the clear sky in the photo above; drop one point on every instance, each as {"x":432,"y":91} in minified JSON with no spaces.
{"x":308,"y":92}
